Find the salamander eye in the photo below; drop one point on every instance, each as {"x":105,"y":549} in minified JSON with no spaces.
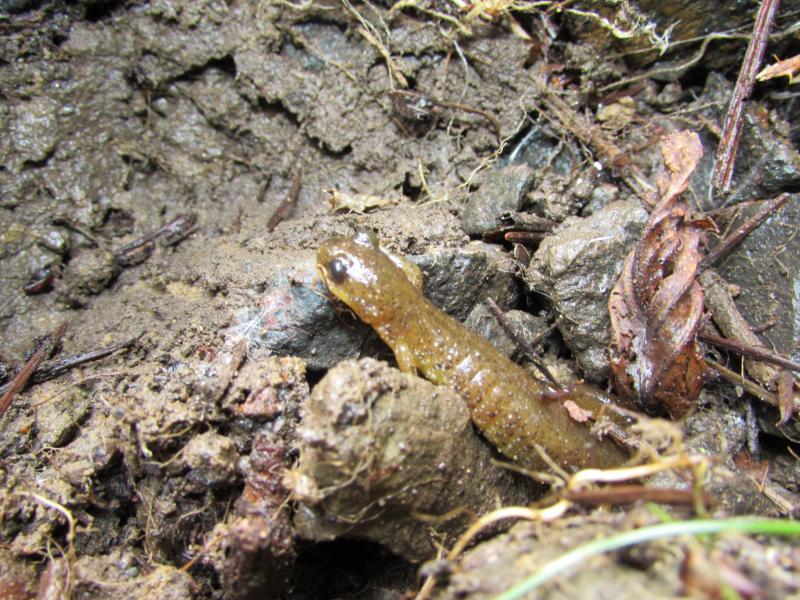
{"x":337,"y":269}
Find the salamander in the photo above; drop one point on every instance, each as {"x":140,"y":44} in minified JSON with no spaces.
{"x":513,"y":410}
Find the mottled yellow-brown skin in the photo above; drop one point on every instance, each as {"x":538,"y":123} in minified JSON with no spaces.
{"x":513,"y":410}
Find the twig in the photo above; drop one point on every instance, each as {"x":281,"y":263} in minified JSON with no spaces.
{"x":50,"y":369}
{"x":732,"y":127}
{"x":171,"y":234}
{"x":737,"y":379}
{"x":577,"y":124}
{"x":733,"y":325}
{"x":528,"y":347}
{"x":767,"y":209}
{"x":287,"y":205}
{"x":46,"y":348}
{"x":756,"y":352}
{"x":625,"y":494}
{"x":786,"y":401}
{"x":476,"y":111}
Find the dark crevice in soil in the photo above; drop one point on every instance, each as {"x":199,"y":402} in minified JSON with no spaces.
{"x":411,"y":190}
{"x":38,"y":164}
{"x":226,"y":64}
{"x":99,"y":11}
{"x":329,"y":152}
{"x":276,"y":108}
{"x":350,"y":569}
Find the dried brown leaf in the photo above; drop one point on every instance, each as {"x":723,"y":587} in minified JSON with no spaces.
{"x":785,"y":385}
{"x":656,"y":307}
{"x":782,"y":68}
{"x":577,"y":413}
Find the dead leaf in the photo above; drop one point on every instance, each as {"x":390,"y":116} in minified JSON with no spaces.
{"x":577,"y":413}
{"x":785,"y":385}
{"x":656,"y":307}
{"x":782,"y":68}
{"x":357,"y":203}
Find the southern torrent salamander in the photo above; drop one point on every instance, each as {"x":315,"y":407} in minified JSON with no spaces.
{"x":513,"y":410}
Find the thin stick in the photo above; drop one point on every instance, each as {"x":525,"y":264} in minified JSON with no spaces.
{"x":732,"y":324}
{"x":767,"y":209}
{"x":758,"y":353}
{"x":50,"y":369}
{"x":732,"y":128}
{"x":625,"y":494}
{"x":736,"y":379}
{"x":529,"y":347}
{"x":19,"y":382}
{"x":287,"y":205}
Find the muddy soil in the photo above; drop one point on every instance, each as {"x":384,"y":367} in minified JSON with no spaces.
{"x":168,"y":171}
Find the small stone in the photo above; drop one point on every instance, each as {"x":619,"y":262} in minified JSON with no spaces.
{"x":57,"y":419}
{"x":456,"y":279}
{"x":89,"y":273}
{"x":503,"y":191}
{"x":576,"y":269}
{"x":483,"y":322}
{"x":55,"y":241}
{"x":34,"y":131}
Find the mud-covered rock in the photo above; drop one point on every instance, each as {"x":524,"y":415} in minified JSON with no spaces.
{"x":576,"y":269}
{"x":88,"y":274}
{"x":494,"y":566}
{"x":457,"y":279}
{"x":58,"y":414}
{"x":383,"y":454}
{"x":89,"y":576}
{"x":503,"y":191}
{"x":270,"y":389}
{"x":764,"y":267}
{"x":719,"y":430}
{"x":295,"y":317}
{"x":33,"y":131}
{"x":562,"y":185}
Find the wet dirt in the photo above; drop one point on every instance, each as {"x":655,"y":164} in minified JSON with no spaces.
{"x":174,"y":467}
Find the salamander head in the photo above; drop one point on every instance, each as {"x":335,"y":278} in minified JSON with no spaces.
{"x":362,"y":275}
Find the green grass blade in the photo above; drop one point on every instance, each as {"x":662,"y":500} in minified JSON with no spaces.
{"x":575,"y":557}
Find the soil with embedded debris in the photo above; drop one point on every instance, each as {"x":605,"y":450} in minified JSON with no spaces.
{"x":239,"y":439}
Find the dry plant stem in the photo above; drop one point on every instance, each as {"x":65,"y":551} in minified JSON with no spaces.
{"x":557,"y":510}
{"x":733,"y":325}
{"x":737,"y":379}
{"x":21,"y":379}
{"x":50,"y":369}
{"x":786,"y":404}
{"x":760,"y":353}
{"x":732,"y":127}
{"x":553,"y":106}
{"x":625,"y":494}
{"x":767,"y":209}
